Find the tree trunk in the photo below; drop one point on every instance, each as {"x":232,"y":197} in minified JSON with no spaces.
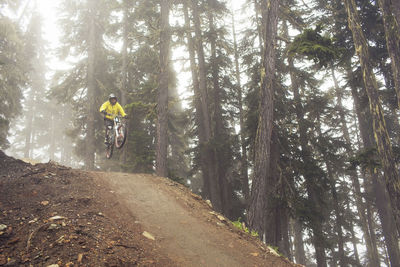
{"x":91,"y":91}
{"x":273,"y":225}
{"x":384,"y":208}
{"x":66,"y":145}
{"x":257,"y":7}
{"x":219,"y":133}
{"x":387,"y":221}
{"x":336,"y":207}
{"x":124,"y":71}
{"x":243,"y":160}
{"x":299,"y":253}
{"x":373,"y":257}
{"x":392,"y":34}
{"x":197,"y":103}
{"x":256,"y":211}
{"x":379,"y":125}
{"x":372,"y":253}
{"x":52,"y":130}
{"x":372,"y":227}
{"x":362,"y":207}
{"x":309,"y":179}
{"x":284,"y":244}
{"x":354,"y":240}
{"x":276,"y":211}
{"x":213,"y":185}
{"x":162,"y":103}
{"x":29,"y":128}
{"x":202,"y":71}
{"x":396,"y":11}
{"x":386,"y":258}
{"x":338,"y":215}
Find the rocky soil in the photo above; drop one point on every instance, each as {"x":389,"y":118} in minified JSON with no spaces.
{"x":51,"y":215}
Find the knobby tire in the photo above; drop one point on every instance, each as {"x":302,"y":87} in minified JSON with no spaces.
{"x":119,"y":143}
{"x":110,"y":146}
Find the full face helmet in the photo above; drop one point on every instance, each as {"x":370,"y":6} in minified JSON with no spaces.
{"x":111,"y":97}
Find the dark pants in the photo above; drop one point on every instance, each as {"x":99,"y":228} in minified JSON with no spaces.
{"x":108,"y":122}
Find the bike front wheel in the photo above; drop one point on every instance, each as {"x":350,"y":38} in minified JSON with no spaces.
{"x":121,"y":137}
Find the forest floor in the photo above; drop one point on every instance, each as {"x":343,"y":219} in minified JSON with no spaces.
{"x":51,"y":215}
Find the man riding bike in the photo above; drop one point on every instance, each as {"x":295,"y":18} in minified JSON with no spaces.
{"x":110,"y":109}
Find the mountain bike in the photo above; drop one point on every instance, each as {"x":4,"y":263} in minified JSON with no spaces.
{"x":116,"y":135}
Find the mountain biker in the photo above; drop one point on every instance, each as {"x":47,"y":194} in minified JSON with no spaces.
{"x":110,"y":109}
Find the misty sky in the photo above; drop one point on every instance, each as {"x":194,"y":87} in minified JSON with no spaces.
{"x":51,"y":32}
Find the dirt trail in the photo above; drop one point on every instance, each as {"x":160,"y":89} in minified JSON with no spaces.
{"x":184,"y":227}
{"x":54,"y":215}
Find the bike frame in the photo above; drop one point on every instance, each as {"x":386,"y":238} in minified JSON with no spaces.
{"x":114,"y":132}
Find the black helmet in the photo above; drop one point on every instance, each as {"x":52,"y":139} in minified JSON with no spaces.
{"x":111,"y":96}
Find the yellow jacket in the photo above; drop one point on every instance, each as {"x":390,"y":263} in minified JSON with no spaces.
{"x":112,"y":109}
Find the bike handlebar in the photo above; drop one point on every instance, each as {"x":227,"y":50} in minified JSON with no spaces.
{"x":112,"y":115}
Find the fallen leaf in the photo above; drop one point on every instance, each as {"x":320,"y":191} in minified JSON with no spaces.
{"x":148,"y":235}
{"x":196,"y":196}
{"x":271,"y":250}
{"x":255,"y":254}
{"x":80,"y":257}
{"x":60,"y":240}
{"x":53,"y":226}
{"x":55,"y":218}
{"x":9,"y":230}
{"x":45,"y":203}
{"x":3,"y":260}
{"x":33,"y":221}
{"x":11,"y":262}
{"x":111,"y":244}
{"x":221,"y":218}
{"x":13,"y":241}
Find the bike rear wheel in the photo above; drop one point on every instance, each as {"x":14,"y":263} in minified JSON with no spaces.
{"x":110,"y":145}
{"x":109,"y":151}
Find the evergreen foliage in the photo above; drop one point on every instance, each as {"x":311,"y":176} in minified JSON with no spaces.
{"x":12,"y":72}
{"x":314,"y":46}
{"x":325,"y":165}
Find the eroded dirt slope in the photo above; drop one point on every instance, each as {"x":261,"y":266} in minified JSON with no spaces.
{"x":51,"y":214}
{"x":185,"y":228}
